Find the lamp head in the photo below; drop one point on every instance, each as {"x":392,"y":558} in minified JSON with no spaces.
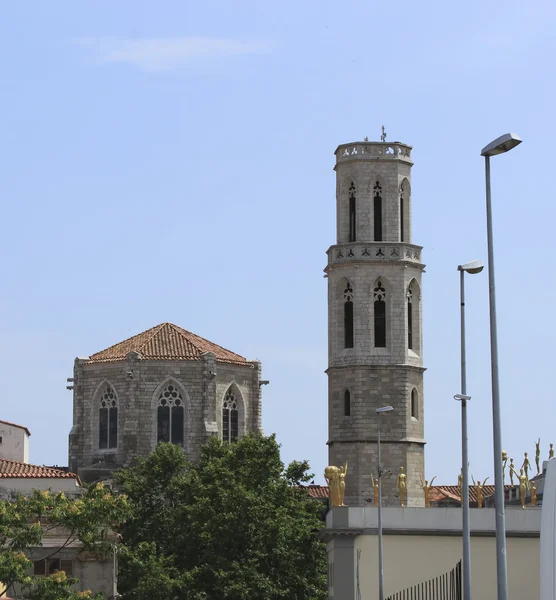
{"x":502,"y":144}
{"x":462,"y":397}
{"x":473,"y":267}
{"x":384,"y":409}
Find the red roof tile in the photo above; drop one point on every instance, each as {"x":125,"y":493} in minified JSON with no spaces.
{"x":11,"y":468}
{"x":15,"y":425}
{"x":440,"y":492}
{"x":317,"y":491}
{"x":166,"y":342}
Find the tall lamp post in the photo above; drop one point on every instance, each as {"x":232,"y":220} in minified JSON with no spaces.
{"x":498,"y":146}
{"x":383,"y":409}
{"x":472,"y":268}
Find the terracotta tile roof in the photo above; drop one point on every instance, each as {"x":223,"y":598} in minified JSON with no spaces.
{"x":15,"y":425}
{"x":11,"y":468}
{"x":166,"y":342}
{"x":441,"y":492}
{"x":317,"y":491}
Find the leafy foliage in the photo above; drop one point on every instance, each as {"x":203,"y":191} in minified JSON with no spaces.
{"x":26,"y":520}
{"x":234,"y":526}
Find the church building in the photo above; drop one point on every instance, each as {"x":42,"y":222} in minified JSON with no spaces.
{"x":163,"y":385}
{"x":375,"y":344}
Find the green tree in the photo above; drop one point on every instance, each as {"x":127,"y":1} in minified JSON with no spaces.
{"x":26,"y":520}
{"x":234,"y":526}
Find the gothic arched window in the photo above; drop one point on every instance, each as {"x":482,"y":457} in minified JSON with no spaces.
{"x":380,"y":315}
{"x":352,"y":213}
{"x":170,"y":416}
{"x":410,"y":318}
{"x":348,"y":316}
{"x":347,"y":403}
{"x":108,"y":419}
{"x":401,"y":213}
{"x":230,"y":425}
{"x":414,"y":404}
{"x":377,"y":211}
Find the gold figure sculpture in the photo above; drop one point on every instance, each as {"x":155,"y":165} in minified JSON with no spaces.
{"x":479,"y":487}
{"x":332,"y":476}
{"x":427,"y":489}
{"x":402,"y":487}
{"x":538,"y":455}
{"x":551,"y":451}
{"x":374,"y":483}
{"x":504,"y":461}
{"x":342,"y":482}
{"x":526,"y":464}
{"x":533,"y":489}
{"x":512,"y":471}
{"x":523,"y":485}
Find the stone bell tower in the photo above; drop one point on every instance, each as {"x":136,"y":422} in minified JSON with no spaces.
{"x":374,"y":323}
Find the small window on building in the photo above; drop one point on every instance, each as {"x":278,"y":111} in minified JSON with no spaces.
{"x":352,"y":213}
{"x":170,"y":416}
{"x":380,"y":315}
{"x":0,"y":439}
{"x":48,"y":566}
{"x":347,"y":404}
{"x":230,"y":421}
{"x":410,"y":318}
{"x":348,"y":316}
{"x":377,"y":212}
{"x":414,"y":404}
{"x":108,"y":420}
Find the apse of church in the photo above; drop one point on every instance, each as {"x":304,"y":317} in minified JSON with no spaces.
{"x":374,"y":323}
{"x":163,"y":385}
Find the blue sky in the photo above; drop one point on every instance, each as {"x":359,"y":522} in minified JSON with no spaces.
{"x":172,"y":161}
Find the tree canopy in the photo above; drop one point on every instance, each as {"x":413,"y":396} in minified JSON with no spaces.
{"x":234,"y":526}
{"x":26,"y":520}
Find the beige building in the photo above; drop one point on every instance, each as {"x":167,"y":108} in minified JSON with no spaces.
{"x":14,"y":442}
{"x":421,"y":544}
{"x":163,"y":385}
{"x":374,"y":322}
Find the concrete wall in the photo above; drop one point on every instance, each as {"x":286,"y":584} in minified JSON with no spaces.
{"x":28,"y":484}
{"x":421,"y":544}
{"x":15,"y":443}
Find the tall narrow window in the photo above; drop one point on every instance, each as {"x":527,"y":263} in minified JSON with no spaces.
{"x":108,"y":420}
{"x":380,"y":315}
{"x":170,"y":416}
{"x":410,"y":318}
{"x":230,"y":424}
{"x":377,"y":211}
{"x":347,"y":403}
{"x":402,"y":237}
{"x":414,"y":404}
{"x":348,"y":316}
{"x":352,"y":213}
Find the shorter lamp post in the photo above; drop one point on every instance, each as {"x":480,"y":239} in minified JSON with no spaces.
{"x":472,"y":268}
{"x":379,"y":411}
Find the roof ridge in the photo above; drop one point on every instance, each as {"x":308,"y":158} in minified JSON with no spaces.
{"x":156,"y":327}
{"x":181,"y":330}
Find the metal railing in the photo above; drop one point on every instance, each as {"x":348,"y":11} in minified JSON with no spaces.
{"x":443,"y":587}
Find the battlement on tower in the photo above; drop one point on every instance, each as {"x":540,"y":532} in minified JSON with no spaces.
{"x":373,"y":151}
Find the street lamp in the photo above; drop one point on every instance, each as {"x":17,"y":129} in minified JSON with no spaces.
{"x":379,"y":411}
{"x":472,"y":268}
{"x":498,"y":146}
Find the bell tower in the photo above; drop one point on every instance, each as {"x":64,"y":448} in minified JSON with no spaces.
{"x":374,"y":323}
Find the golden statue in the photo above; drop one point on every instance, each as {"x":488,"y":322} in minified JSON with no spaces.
{"x":504,"y":461}
{"x":460,"y":479}
{"x":523,"y":486}
{"x":402,"y":487}
{"x":332,"y":476}
{"x":512,"y":471}
{"x":533,"y":489}
{"x":551,"y":451}
{"x":526,"y":464}
{"x":427,"y":489}
{"x":374,"y":483}
{"x":342,"y":482}
{"x":479,"y":491}
{"x":538,"y":455}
